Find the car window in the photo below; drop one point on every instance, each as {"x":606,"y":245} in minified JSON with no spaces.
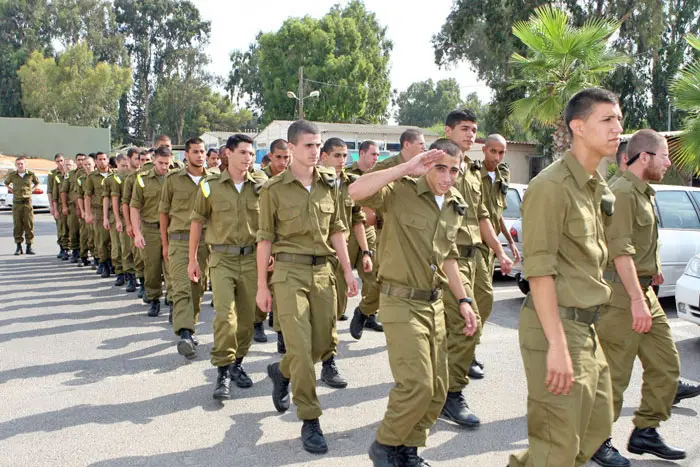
{"x":676,"y":210}
{"x":42,"y":179}
{"x":696,"y":196}
{"x":512,"y":211}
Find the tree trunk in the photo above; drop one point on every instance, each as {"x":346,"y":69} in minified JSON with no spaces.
{"x":561,"y":140}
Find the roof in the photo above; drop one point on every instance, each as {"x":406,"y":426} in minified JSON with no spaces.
{"x":226,"y":134}
{"x":365,"y":129}
{"x":666,"y":134}
{"x":527,"y":143}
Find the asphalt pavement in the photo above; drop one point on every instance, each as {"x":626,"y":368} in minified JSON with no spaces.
{"x":87,"y":379}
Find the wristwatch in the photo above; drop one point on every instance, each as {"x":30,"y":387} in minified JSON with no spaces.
{"x":369,"y":253}
{"x":465,"y":300}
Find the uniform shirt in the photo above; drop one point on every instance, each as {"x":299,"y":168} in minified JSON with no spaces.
{"x":113,"y":187}
{"x":468,"y":184}
{"x":128,"y":187}
{"x":417,"y":235}
{"x":387,"y":163}
{"x":21,"y":185}
{"x":145,"y":195}
{"x":71,"y":186}
{"x":351,"y":213}
{"x":563,"y":233}
{"x":633,"y":229}
{"x":58,"y":179}
{"x":298,"y":221}
{"x":231,"y":217}
{"x":494,"y":193}
{"x":51,"y":179}
{"x":94,"y":186}
{"x":618,"y":173}
{"x":355,"y":169}
{"x":177,"y":199}
{"x":81,"y":184}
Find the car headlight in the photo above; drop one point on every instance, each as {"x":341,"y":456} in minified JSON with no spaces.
{"x":693,"y":267}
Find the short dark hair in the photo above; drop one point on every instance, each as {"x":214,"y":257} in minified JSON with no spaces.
{"x":122,"y":157}
{"x":280,"y":144}
{"x":234,"y":140}
{"x":113,"y":162}
{"x":301,"y":127}
{"x":365,"y":145}
{"x":58,"y":154}
{"x":80,"y":154}
{"x":131,"y":151}
{"x":333,"y":143}
{"x":92,"y":154}
{"x":456,"y":116}
{"x":444,"y":144}
{"x":163,"y":151}
{"x":212,"y":150}
{"x":645,"y":140}
{"x":409,"y":136}
{"x":20,"y":158}
{"x":265,"y":159}
{"x":98,"y":153}
{"x":191,"y":141}
{"x":163,"y":137}
{"x":581,"y":104}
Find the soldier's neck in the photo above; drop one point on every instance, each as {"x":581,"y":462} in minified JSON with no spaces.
{"x":363,"y":166}
{"x":588,"y":159}
{"x":302,"y":173}
{"x":237,"y":176}
{"x":195,"y":171}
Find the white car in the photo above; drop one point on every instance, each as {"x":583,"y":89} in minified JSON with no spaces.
{"x":40,"y":197}
{"x":511,"y":214}
{"x":678,"y":212}
{"x":688,"y":292}
{"x":3,"y":197}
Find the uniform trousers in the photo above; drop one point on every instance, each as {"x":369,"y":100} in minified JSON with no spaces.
{"x":187,"y":295}
{"x":23,"y":221}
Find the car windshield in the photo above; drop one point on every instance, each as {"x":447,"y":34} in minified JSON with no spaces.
{"x":676,"y":210}
{"x":512,"y":210}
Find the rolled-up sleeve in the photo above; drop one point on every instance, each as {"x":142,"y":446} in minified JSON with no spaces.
{"x":543,"y":213}
{"x":200,"y":209}
{"x":620,"y":227}
{"x":266,"y":221}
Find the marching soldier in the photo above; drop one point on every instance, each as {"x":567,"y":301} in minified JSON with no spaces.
{"x":112,"y":218}
{"x":87,"y":236}
{"x":93,"y":189}
{"x":422,"y":213}
{"x":136,"y":159}
{"x":50,"y":180}
{"x":69,"y":208}
{"x":228,"y":204}
{"x":54,"y":194}
{"x":300,"y":225}
{"x":179,"y":192}
{"x":569,"y":405}
{"x":21,"y":183}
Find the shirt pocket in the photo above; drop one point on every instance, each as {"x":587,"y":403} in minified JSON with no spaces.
{"x":414,"y":222}
{"x":289,"y":221}
{"x":325,"y":211}
{"x":581,"y":227}
{"x":645,"y":218}
{"x":219,"y":206}
{"x":181,"y":195}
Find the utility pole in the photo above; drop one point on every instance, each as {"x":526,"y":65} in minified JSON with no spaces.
{"x":301,"y":93}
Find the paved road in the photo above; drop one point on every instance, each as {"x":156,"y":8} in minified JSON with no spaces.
{"x":86,"y":378}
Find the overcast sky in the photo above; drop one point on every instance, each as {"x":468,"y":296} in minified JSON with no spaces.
{"x":234,"y":24}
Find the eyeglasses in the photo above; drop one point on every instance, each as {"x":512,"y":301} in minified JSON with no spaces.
{"x":636,"y":156}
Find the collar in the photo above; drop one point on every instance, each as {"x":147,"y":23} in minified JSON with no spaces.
{"x":225,"y":176}
{"x":577,"y":171}
{"x":485,"y":173}
{"x":288,"y":176}
{"x":638,"y":184}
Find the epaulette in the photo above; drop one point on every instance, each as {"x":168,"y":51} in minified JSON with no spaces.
{"x":117,"y":178}
{"x":607,"y":202}
{"x":351,"y":177}
{"x":258,"y":186}
{"x":328,"y":176}
{"x":259,"y":174}
{"x":206,"y":189}
{"x":504,"y":166}
{"x":475,"y":165}
{"x":212,"y":176}
{"x":504,"y":187}
{"x":139,"y":180}
{"x":271,"y":181}
{"x":410,"y":179}
{"x":460,"y":206}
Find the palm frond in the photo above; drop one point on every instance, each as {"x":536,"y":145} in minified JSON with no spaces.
{"x":686,"y":149}
{"x":693,"y":40}
{"x":686,"y":88}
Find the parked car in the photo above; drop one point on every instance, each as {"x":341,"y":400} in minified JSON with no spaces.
{"x":40,"y":197}
{"x":511,"y":214}
{"x":678,"y":214}
{"x":3,"y":197}
{"x":688,"y":292}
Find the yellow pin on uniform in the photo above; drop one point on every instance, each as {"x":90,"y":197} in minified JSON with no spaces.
{"x":140,"y":181}
{"x":117,"y":179}
{"x":206,"y":191}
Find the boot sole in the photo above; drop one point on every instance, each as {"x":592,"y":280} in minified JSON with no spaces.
{"x":314,"y":450}
{"x":470,"y":425}
{"x":688,"y":396}
{"x":262,"y":338}
{"x":639,"y":451}
{"x":335,"y":385}
{"x":220,"y":397}
{"x":244,"y":385}
{"x":186,"y":349}
{"x":605,"y":464}
{"x":356,"y":334}
{"x":278,"y":407}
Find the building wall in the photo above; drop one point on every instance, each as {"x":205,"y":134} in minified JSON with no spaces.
{"x":518,"y":159}
{"x":36,"y":138}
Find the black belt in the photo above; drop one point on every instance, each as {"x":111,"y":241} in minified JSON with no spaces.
{"x":310,"y":260}
{"x":582,"y":315}
{"x":467,"y":251}
{"x":21,"y":201}
{"x":410,"y":293}
{"x":612,"y":276}
{"x":379,"y":224}
{"x":178,"y":236}
{"x":234,"y":250}
{"x":153,"y":225}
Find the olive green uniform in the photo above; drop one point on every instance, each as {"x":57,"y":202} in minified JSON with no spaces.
{"x":177,"y":200}
{"x":22,"y":213}
{"x":633,"y":231}
{"x":299,"y":224}
{"x":618,"y":173}
{"x":232,"y":224}
{"x":127,"y":190}
{"x":494,"y":196}
{"x":54,"y":178}
{"x":259,"y":315}
{"x":417,"y":237}
{"x":69,"y":185}
{"x":146,"y":198}
{"x":87,"y":234}
{"x":94,"y":187}
{"x":122,"y":258}
{"x":62,"y":221}
{"x":370,"y":287}
{"x":564,"y":238}
{"x":460,"y":348}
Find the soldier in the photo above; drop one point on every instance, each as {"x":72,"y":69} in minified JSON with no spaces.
{"x":54,"y":194}
{"x":265,"y":161}
{"x":495,"y":177}
{"x":461,"y":128}
{"x":365,"y":315}
{"x":569,"y":408}
{"x":58,"y":171}
{"x":136,"y":159}
{"x":621,"y":159}
{"x":280,"y":158}
{"x":633,"y":324}
{"x":112,"y":218}
{"x":87,"y":240}
{"x":213,"y":161}
{"x":177,"y":199}
{"x":21,"y":183}
{"x":145,"y":221}
{"x":300,"y":225}
{"x":333,"y":156}
{"x":69,"y":207}
{"x":93,"y":189}
{"x":228,"y":204}
{"x":422,"y":213}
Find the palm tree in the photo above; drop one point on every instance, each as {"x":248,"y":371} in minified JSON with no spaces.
{"x":686,"y":93}
{"x":562,"y":59}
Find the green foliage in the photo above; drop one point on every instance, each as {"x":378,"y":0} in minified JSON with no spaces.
{"x":425,"y":103}
{"x":73,"y":89}
{"x":612,"y":168}
{"x":345,"y":55}
{"x":686,"y":93}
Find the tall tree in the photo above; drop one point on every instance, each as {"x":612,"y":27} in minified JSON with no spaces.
{"x":686,"y":92}
{"x":345,"y":54}
{"x":73,"y":89}
{"x":561,"y":60}
{"x":426,"y":103}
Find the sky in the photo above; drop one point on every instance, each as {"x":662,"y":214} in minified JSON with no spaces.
{"x":234,"y":24}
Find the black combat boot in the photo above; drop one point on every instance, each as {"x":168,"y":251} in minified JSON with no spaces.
{"x":343,"y":317}
{"x":120,"y":280}
{"x":185,"y":345}
{"x":29,"y":250}
{"x":83,"y":262}
{"x":457,"y":410}
{"x":372,"y":323}
{"x":105,"y":270}
{"x":357,"y":324}
{"x":75,"y":257}
{"x":281,"y":348}
{"x":649,"y":441}
{"x":312,"y":437}
{"x":259,"y":333}
{"x":686,"y":391}
{"x":238,"y":374}
{"x":130,"y":282}
{"x":608,"y":456}
{"x":271,"y":319}
{"x":96,"y":264}
{"x":100,"y":267}
{"x":19,"y":251}
{"x":65,"y":256}
{"x":155,"y":308}
{"x":331,"y":376}
{"x":475,"y":371}
{"x":408,"y":457}
{"x":112,"y":271}
{"x":142,"y":287}
{"x":60,"y":253}
{"x":223,"y":384}
{"x":280,"y":387}
{"x":383,"y":455}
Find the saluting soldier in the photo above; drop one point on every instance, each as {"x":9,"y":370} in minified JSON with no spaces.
{"x":93,"y":189}
{"x":21,"y":183}
{"x":50,"y":180}
{"x":569,"y":404}
{"x":422,"y":213}
{"x":228,"y":204}
{"x":365,"y":315}
{"x":461,"y":128}
{"x":145,"y":221}
{"x":633,"y":324}
{"x":69,"y":207}
{"x":180,"y":190}
{"x":333,"y":155}
{"x":112,"y":218}
{"x":87,"y":234}
{"x":300,"y":225}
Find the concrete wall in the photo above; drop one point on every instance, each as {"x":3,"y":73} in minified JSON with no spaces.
{"x":518,"y":159}
{"x":36,"y":138}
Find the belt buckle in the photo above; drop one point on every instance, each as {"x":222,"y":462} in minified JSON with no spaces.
{"x":313,"y":260}
{"x":434,"y":295}
{"x":241,"y":251}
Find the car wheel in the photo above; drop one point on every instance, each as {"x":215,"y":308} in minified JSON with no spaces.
{"x":523,"y":284}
